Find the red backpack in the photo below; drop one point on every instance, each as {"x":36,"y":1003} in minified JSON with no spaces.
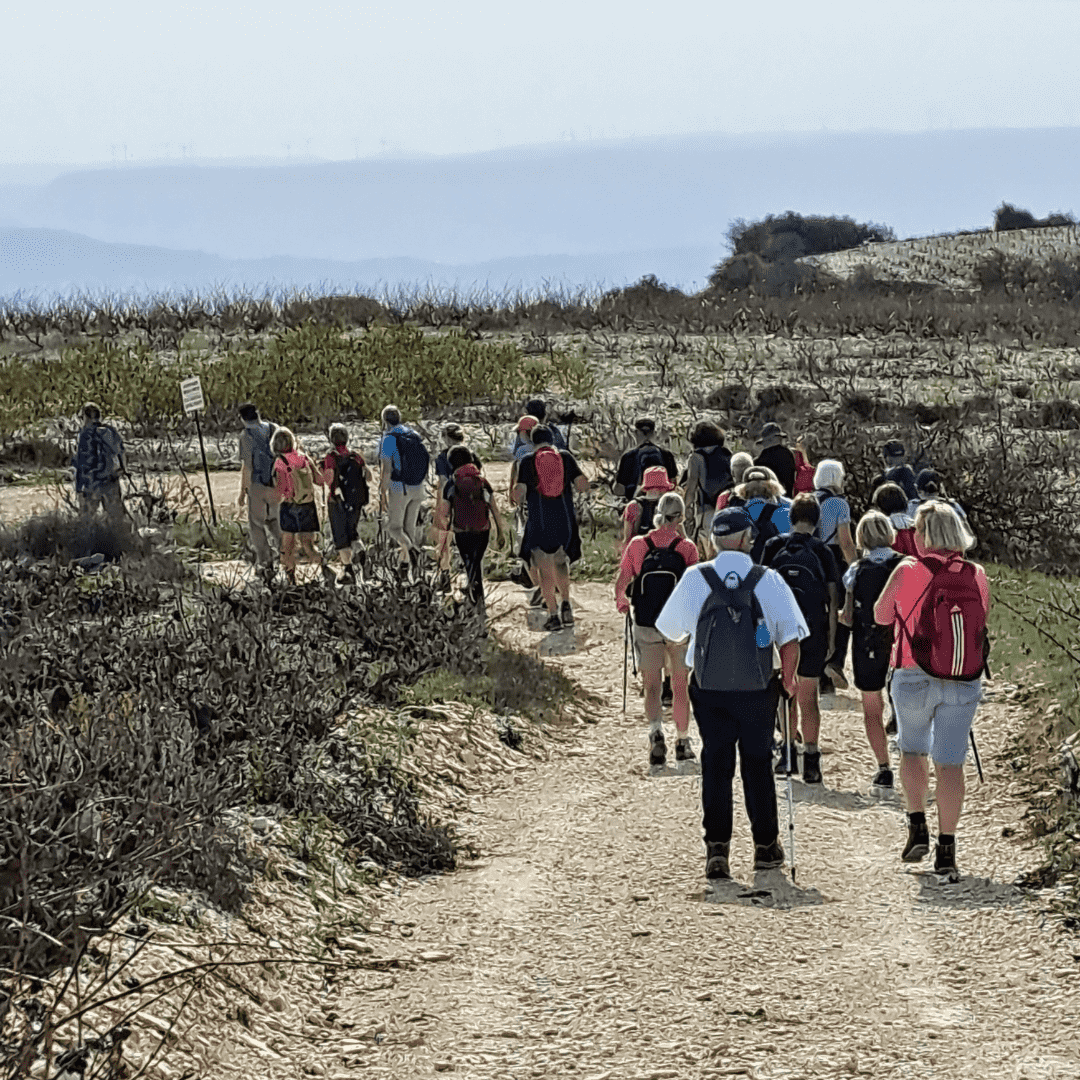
{"x":468,"y":498}
{"x":550,"y":476}
{"x":949,"y":640}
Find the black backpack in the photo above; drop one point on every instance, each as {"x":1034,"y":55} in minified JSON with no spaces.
{"x":717,"y":460}
{"x":349,"y":481}
{"x":647,"y":457}
{"x":728,"y":654}
{"x":870,"y":579}
{"x":661,"y":570}
{"x":414,"y":459}
{"x":764,"y":530}
{"x":797,"y":563}
{"x":646,"y":516}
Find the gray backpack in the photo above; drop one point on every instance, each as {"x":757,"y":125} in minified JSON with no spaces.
{"x":728,"y":650}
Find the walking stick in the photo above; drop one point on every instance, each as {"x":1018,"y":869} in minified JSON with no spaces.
{"x":786,"y":706}
{"x":625,"y":659}
{"x":975,"y":751}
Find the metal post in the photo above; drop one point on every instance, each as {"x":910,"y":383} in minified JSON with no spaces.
{"x":206,"y":471}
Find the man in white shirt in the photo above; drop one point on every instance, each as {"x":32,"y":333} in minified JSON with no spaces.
{"x":734,"y":691}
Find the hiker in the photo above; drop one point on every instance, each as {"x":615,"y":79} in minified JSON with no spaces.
{"x":537,"y":410}
{"x":645,"y":455}
{"x":897,"y":470}
{"x":257,"y":487}
{"x":732,"y":614}
{"x":405,"y":462}
{"x":546,"y":480}
{"x":810,"y":571}
{"x":708,"y":473}
{"x":295,"y":478}
{"x":804,"y":471}
{"x":776,"y":456}
{"x":834,"y":527}
{"x":641,"y":509}
{"x":453,"y":435}
{"x":651,"y":567}
{"x":762,"y":496}
{"x":929,"y":485}
{"x":467,"y":508}
{"x":937,"y":605}
{"x":527,"y":576}
{"x":347,"y":478}
{"x":99,"y":462}
{"x":890,"y":499}
{"x":740,"y":462}
{"x":871,"y":644}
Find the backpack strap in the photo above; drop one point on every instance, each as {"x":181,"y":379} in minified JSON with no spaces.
{"x":649,"y":543}
{"x":766,"y":514}
{"x":934,"y":575}
{"x":712,"y":577}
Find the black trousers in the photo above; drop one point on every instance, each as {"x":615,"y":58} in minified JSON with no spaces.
{"x":472,"y":546}
{"x":727,"y":721}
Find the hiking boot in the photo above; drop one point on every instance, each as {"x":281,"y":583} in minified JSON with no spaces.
{"x":537,"y":598}
{"x":716,"y":861}
{"x":811,"y":768}
{"x":945,"y":861}
{"x":768,"y":856}
{"x":883,"y":781}
{"x":567,"y":613}
{"x":553,"y":622}
{"x":657,"y":748}
{"x":781,"y":767}
{"x":521,"y":577}
{"x":836,"y":675}
{"x":666,"y":697}
{"x":890,"y":727}
{"x":348,"y":575}
{"x":918,"y":842}
{"x":683,"y":750}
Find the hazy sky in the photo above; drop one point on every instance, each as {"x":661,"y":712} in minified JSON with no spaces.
{"x":95,"y":82}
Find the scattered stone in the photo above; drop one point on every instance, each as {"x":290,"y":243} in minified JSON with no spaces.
{"x":262,"y":825}
{"x":431,"y":956}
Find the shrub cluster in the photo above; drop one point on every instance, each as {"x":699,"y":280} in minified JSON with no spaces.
{"x":1007,"y":217}
{"x":783,"y":237}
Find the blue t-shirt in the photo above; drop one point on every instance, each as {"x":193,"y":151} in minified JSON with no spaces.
{"x":780,"y":516}
{"x":834,"y":513}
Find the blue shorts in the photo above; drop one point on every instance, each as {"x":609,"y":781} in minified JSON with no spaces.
{"x":934,"y":716}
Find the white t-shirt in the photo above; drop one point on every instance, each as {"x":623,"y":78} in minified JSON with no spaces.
{"x":779,"y":608}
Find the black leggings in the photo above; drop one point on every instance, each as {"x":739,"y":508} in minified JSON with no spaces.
{"x":843,"y":633}
{"x":471,"y":546}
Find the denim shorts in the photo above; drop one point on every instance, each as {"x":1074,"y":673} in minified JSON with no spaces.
{"x":934,"y":716}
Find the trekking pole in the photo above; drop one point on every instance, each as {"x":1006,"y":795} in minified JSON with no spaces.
{"x":786,"y":705}
{"x":975,"y":751}
{"x":625,"y":659}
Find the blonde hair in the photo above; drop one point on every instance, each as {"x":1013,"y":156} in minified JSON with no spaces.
{"x":874,"y":531}
{"x":740,"y":462}
{"x":669,"y":506}
{"x":283,"y":441}
{"x":941,"y":528}
{"x":829,"y":474}
{"x":762,"y":484}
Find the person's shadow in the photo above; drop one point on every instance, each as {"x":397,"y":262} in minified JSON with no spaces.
{"x":771,"y":889}
{"x":958,"y":890}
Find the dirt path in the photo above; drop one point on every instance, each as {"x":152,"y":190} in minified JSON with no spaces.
{"x":585,"y":942}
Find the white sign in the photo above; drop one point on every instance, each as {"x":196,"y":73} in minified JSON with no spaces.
{"x":191,"y":392}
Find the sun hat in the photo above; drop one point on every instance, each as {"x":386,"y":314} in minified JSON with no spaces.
{"x":771,"y":429}
{"x":526,"y":423}
{"x":656,"y":479}
{"x":731,"y":521}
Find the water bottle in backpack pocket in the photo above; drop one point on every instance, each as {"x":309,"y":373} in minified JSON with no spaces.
{"x":732,"y":645}
{"x":661,"y":570}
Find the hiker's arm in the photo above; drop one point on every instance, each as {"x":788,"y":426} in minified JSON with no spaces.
{"x":442,"y":515}
{"x":789,"y":665}
{"x":833,"y":612}
{"x":581,"y":483}
{"x":245,"y":483}
{"x":384,"y":483}
{"x":496,"y":516}
{"x":847,"y":545}
{"x":629,"y":527}
{"x":518,"y":494}
{"x":885,"y":607}
{"x":622,"y":581}
{"x":846,"y":616}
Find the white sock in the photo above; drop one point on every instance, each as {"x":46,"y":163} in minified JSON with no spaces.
{"x":655,"y":726}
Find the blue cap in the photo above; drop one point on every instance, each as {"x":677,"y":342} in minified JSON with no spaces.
{"x":730,"y":521}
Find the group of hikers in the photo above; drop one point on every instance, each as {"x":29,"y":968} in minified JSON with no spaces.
{"x":743,"y":582}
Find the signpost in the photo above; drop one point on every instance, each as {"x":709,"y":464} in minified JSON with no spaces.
{"x":192,"y":396}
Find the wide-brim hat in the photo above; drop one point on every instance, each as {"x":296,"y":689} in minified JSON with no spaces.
{"x":730,"y":521}
{"x":770,"y":430}
{"x":656,"y":479}
{"x":526,"y":423}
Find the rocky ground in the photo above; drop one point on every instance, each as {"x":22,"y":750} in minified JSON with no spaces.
{"x":584,"y":941}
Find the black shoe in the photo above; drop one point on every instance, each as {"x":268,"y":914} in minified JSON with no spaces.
{"x":657,"y":748}
{"x":781,"y":767}
{"x":836,"y":675}
{"x":918,"y":842}
{"x":666,"y":697}
{"x":945,"y":861}
{"x":811,"y":768}
{"x":567,"y":613}
{"x":890,"y":727}
{"x":554,"y":622}
{"x":884,"y":779}
{"x":683,"y":750}
{"x":768,"y":856}
{"x":537,"y":598}
{"x":521,"y":577}
{"x":716,"y":861}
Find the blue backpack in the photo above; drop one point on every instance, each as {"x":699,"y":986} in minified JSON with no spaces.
{"x":262,"y":457}
{"x":414,"y":459}
{"x":732,"y":647}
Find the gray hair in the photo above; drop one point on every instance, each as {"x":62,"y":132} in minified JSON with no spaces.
{"x":740,"y":462}
{"x":829,"y":474}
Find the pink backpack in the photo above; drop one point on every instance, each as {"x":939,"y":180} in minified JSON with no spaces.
{"x":949,"y":640}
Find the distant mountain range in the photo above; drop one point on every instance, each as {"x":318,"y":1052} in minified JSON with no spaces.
{"x":576,"y":212}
